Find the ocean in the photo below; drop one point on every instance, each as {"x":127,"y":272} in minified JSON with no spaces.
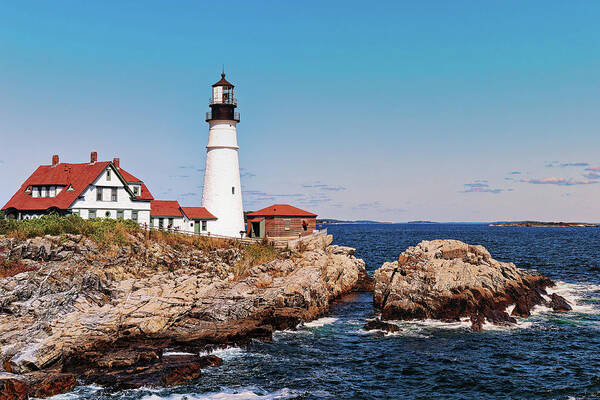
{"x":546,"y":356}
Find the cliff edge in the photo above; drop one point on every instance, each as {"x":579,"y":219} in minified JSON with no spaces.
{"x":122,"y":315}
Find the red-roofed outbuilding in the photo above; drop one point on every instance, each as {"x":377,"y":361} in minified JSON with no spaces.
{"x":280,"y":220}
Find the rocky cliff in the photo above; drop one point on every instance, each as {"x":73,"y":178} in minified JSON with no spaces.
{"x":107,"y":314}
{"x":449,"y":280}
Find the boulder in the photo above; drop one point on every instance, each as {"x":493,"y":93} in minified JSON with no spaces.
{"x":378,"y":324}
{"x":448,"y":280}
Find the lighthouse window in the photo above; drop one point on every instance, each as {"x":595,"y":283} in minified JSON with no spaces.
{"x":233,"y":190}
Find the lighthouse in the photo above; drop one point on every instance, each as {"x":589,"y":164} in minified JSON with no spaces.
{"x":222,"y":193}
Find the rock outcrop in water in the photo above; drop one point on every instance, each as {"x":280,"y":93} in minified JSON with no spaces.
{"x":140,"y":314}
{"x":449,"y":280}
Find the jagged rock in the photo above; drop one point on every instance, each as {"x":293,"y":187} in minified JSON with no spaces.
{"x":105,"y":315}
{"x":12,"y":387}
{"x":449,"y":280}
{"x":559,"y":303}
{"x":378,"y":324}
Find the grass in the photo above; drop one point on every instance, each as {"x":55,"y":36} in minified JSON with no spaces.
{"x":103,"y":231}
{"x":111,"y":233}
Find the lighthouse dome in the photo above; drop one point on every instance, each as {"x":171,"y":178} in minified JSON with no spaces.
{"x":223,"y":82}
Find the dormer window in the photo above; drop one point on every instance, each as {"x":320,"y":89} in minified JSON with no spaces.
{"x":136,"y":190}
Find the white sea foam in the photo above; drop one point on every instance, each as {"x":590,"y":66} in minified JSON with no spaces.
{"x":320,"y":322}
{"x":578,"y":296}
{"x":225,"y":354}
{"x":177,"y":353}
{"x":232,"y":394}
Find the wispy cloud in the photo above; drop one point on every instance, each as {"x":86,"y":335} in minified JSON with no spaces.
{"x":321,"y":186}
{"x":480,"y":186}
{"x":244,"y":173}
{"x":596,"y":169}
{"x":592,"y":175}
{"x":189,"y":194}
{"x":179,"y":176}
{"x":554,"y":164}
{"x":558,"y":181}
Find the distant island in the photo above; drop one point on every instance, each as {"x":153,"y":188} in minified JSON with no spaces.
{"x":540,"y":223}
{"x":422,"y":222}
{"x":329,"y":221}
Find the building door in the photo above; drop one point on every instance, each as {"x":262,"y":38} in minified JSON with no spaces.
{"x":256,"y":229}
{"x":197,"y":227}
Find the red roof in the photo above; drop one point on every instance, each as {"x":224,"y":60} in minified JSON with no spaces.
{"x":78,"y":176}
{"x":145,"y":194}
{"x":282,"y":210}
{"x":197,"y":213}
{"x":165,"y":208}
{"x":128,"y":177}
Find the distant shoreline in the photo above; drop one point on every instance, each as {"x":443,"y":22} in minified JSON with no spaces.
{"x":546,"y":224}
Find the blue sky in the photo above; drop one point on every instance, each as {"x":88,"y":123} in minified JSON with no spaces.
{"x":396,"y":111}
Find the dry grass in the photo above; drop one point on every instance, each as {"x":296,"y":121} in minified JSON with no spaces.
{"x":255,"y":254}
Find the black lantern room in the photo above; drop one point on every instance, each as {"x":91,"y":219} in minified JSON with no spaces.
{"x":223,"y":102}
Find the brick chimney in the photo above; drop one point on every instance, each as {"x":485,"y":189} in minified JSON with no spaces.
{"x":55,"y":160}
{"x":116,"y":162}
{"x":93,"y":157}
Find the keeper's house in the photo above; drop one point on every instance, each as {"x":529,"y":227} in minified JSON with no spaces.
{"x":90,"y":190}
{"x":101,"y":189}
{"x":280,"y":220}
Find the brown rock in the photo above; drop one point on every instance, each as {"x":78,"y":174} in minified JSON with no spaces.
{"x":378,"y":324}
{"x":12,"y":387}
{"x":106,"y":314}
{"x":448,"y":280}
{"x":559,"y":303}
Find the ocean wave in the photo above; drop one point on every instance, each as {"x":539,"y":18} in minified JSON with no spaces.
{"x":177,"y":353}
{"x":317,"y":323}
{"x":229,"y":394}
{"x":225,"y":354}
{"x":584,"y":298}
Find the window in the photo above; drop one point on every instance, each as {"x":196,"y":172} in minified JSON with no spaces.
{"x":151,"y":222}
{"x":170,"y":222}
{"x":134,"y":215}
{"x":98,"y":194}
{"x":136,"y":190}
{"x":119,"y":214}
{"x":113,"y":194}
{"x":44,"y":191}
{"x":233,"y":190}
{"x":286,"y":223}
{"x":107,"y":214}
{"x":39,"y":191}
{"x":161,"y":223}
{"x":204,"y":225}
{"x":108,"y":174}
{"x":92,"y":214}
{"x":52,"y":191}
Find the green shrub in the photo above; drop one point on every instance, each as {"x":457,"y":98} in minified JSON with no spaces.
{"x":102,"y":230}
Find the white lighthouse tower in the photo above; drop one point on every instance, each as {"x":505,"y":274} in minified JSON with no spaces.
{"x":222,"y":193}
